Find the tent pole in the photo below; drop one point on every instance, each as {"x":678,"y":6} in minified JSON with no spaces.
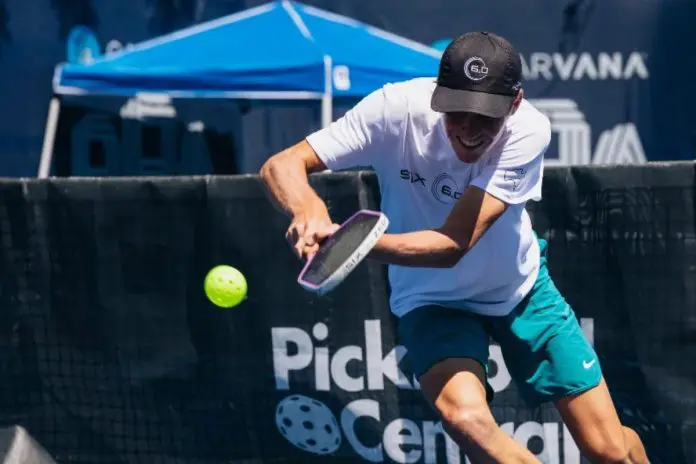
{"x":327,"y":98}
{"x":49,"y":138}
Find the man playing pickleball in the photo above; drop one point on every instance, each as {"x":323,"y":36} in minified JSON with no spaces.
{"x":457,"y":158}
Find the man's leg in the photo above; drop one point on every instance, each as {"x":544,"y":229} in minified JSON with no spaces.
{"x":448,"y":352}
{"x":550,"y":359}
{"x":592,"y":419}
{"x":456,"y":389}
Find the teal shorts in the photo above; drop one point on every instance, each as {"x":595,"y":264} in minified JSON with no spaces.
{"x":541,"y":341}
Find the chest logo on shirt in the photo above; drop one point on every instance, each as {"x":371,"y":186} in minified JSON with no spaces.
{"x":412,"y":176}
{"x":445,"y":189}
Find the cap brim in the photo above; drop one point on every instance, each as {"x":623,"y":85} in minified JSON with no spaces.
{"x":447,"y":100}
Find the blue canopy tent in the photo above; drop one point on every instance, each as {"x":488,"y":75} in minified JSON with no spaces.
{"x":282,"y":50}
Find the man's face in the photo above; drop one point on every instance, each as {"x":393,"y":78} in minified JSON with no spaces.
{"x":471,"y":134}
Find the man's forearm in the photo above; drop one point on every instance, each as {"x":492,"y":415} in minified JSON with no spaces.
{"x":287,"y":186}
{"x":425,"y":248}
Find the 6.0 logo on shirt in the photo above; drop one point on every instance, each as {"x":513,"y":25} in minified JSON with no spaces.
{"x":444,"y":188}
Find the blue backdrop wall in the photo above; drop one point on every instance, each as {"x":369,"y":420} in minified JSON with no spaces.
{"x":614,"y":76}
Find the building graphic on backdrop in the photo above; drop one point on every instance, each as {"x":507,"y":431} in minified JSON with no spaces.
{"x":618,"y":145}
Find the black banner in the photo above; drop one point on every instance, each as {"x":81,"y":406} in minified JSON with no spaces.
{"x":112,"y":354}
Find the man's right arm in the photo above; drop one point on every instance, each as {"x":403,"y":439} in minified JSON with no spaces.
{"x":355,"y":139}
{"x":285,"y":177}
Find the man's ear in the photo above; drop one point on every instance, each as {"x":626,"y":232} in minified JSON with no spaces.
{"x":516,"y":102}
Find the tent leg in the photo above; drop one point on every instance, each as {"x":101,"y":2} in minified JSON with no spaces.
{"x":326,"y":110}
{"x":49,"y":138}
{"x":327,"y":98}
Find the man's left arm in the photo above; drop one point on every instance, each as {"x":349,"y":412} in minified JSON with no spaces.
{"x":512,"y":178}
{"x":470,"y":218}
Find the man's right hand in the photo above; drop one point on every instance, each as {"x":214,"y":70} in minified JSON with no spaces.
{"x":285,"y":177}
{"x":307,"y":231}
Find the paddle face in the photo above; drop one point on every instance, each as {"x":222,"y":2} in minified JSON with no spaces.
{"x":340,"y":253}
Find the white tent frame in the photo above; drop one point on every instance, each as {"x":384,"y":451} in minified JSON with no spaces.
{"x":326,"y":96}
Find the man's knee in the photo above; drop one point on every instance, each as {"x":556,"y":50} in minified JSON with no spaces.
{"x":474,"y":421}
{"x":456,"y":389}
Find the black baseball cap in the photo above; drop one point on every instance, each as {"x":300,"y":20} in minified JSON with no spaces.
{"x":480,"y":72}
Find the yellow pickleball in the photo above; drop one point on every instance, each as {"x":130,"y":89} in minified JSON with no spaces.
{"x":225,"y":286}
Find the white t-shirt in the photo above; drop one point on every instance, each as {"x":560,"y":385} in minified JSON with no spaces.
{"x":394,"y":131}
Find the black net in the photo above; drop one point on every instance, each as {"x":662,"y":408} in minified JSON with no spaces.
{"x":110,"y":352}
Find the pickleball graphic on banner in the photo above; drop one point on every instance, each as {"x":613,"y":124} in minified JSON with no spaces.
{"x":619,"y":145}
{"x":308,"y":424}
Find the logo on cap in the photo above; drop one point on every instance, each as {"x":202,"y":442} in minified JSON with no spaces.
{"x":475,"y":68}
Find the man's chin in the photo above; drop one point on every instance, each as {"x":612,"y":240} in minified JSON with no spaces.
{"x":469,"y":157}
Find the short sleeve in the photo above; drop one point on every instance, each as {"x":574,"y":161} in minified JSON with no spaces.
{"x":515,"y":174}
{"x":356,"y":138}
